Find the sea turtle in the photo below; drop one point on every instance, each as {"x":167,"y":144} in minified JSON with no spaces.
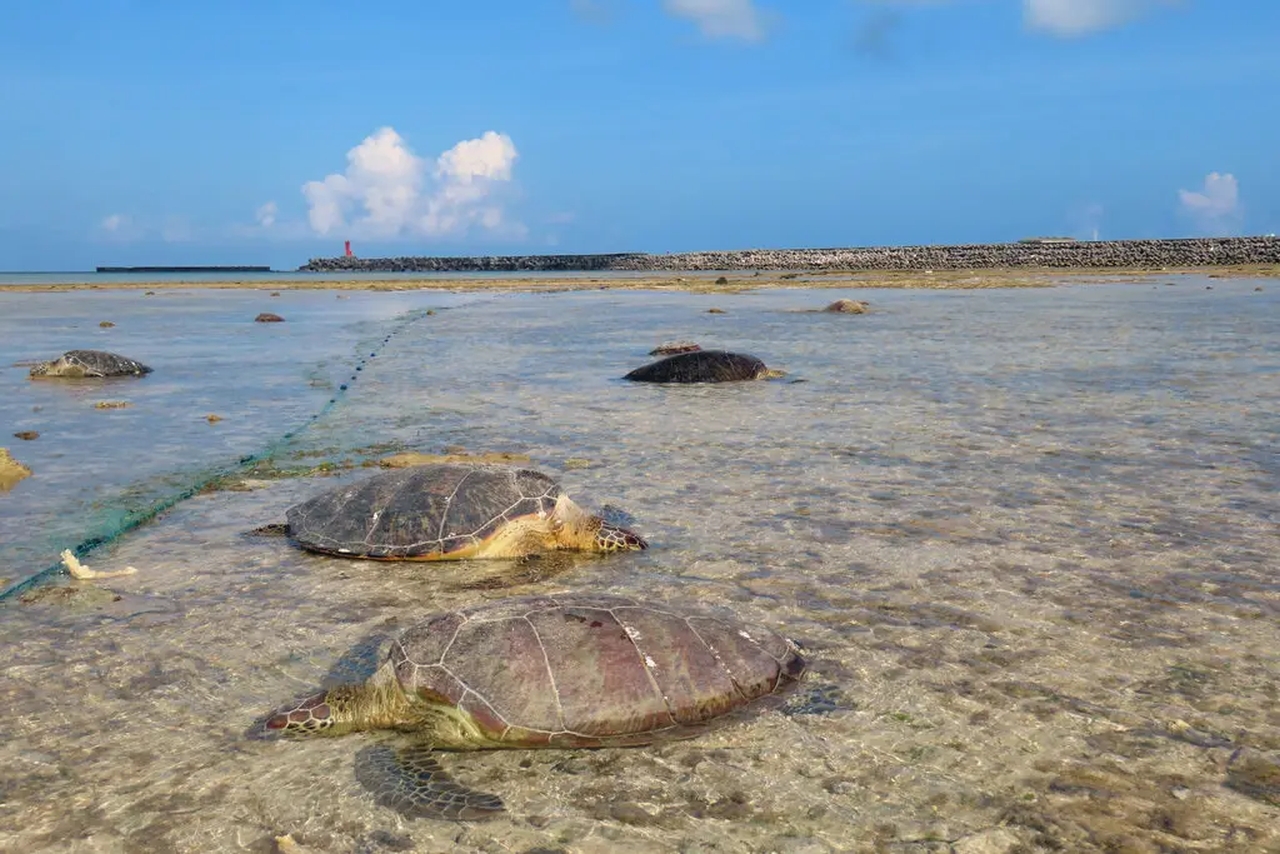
{"x":703,"y":366}
{"x":558,"y":671}
{"x":75,"y":364}
{"x":449,"y":511}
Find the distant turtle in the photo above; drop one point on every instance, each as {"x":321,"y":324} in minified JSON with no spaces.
{"x":670,"y":348}
{"x":451,"y":511}
{"x":703,"y":366}
{"x":75,"y":364}
{"x":848,"y":306}
{"x":560,"y":671}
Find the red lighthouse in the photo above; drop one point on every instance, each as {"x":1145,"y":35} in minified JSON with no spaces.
{"x":348,"y":249}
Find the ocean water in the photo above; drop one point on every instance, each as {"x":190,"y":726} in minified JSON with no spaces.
{"x":1027,"y":537}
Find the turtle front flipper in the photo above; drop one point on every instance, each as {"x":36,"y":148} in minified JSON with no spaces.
{"x":411,"y":782}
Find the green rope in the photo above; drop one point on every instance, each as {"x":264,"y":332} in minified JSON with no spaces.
{"x":131,"y":521}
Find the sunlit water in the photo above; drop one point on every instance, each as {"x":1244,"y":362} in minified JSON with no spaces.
{"x":1029,"y":536}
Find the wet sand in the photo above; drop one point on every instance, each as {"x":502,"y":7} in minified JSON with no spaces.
{"x":695,"y":282}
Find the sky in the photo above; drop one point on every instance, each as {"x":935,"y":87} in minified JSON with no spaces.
{"x":156,"y":132}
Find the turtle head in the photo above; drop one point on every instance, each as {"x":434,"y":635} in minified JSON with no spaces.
{"x":574,"y":528}
{"x":613,"y":538}
{"x":326,"y":713}
{"x":39,"y":370}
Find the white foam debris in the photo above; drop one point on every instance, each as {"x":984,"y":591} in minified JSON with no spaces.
{"x":653,"y":665}
{"x":82,"y":572}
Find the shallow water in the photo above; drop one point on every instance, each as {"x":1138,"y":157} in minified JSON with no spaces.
{"x":1029,"y":536}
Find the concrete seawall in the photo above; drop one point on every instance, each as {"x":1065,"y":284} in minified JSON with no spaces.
{"x":1052,"y":254}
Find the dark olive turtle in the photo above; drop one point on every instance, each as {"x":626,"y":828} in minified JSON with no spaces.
{"x":75,"y":364}
{"x":451,"y":511}
{"x":560,"y":671}
{"x":703,"y":366}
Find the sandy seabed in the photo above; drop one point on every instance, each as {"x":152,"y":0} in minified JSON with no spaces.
{"x":1028,"y":539}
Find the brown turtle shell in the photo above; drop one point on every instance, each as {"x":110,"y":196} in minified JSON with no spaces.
{"x":417,"y":512}
{"x":590,"y":670}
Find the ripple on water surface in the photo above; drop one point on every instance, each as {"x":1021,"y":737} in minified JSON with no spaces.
{"x":1027,"y":538}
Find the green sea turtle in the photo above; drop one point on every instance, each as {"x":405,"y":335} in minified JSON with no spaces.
{"x":75,"y":364}
{"x":704,"y":366}
{"x":559,"y":671}
{"x":451,"y":511}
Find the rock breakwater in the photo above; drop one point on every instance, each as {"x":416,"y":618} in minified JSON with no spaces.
{"x":1047,"y":253}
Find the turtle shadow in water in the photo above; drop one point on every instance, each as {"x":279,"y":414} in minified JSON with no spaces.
{"x":408,"y":780}
{"x":821,"y":698}
{"x":361,"y":660}
{"x":516,"y":572}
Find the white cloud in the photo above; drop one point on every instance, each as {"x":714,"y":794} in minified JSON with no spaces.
{"x":266,"y":215}
{"x":118,"y":227}
{"x":1215,"y":208}
{"x":389,"y":188}
{"x":1079,"y":17}
{"x":731,"y":19}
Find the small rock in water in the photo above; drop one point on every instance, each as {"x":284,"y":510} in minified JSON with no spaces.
{"x":106,"y":324}
{"x":28,"y":435}
{"x":212,"y":418}
{"x":670,"y":348}
{"x":715,"y":311}
{"x":722,"y":281}
{"x":111,"y":404}
{"x":268,"y":317}
{"x":848,"y":306}
{"x":275,"y":293}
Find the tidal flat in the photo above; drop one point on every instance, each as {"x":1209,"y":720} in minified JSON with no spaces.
{"x":1028,"y":537}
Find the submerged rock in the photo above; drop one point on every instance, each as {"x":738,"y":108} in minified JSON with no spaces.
{"x":848,"y":306}
{"x":670,"y":348}
{"x":268,"y":317}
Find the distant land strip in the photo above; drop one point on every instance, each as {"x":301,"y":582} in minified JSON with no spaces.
{"x":1045,"y":253}
{"x":206,"y":269}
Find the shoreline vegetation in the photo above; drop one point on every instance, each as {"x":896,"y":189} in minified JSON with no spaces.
{"x":1038,"y":262}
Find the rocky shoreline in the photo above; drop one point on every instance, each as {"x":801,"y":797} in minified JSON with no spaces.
{"x":1049,"y":253}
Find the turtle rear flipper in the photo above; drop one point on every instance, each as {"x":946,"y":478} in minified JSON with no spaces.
{"x":411,"y":782}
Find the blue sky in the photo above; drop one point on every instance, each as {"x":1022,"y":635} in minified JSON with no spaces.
{"x":140,"y":131}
